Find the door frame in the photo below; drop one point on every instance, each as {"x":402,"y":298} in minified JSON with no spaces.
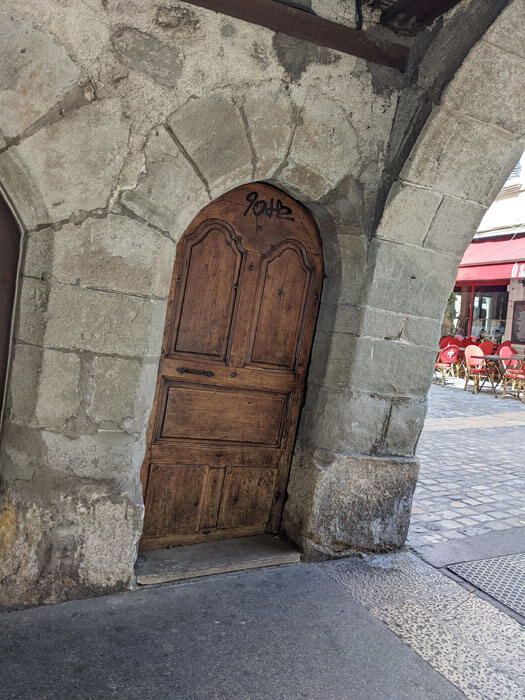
{"x":9,"y":217}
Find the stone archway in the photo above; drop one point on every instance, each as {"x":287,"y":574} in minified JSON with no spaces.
{"x":108,"y":167}
{"x":468,"y":146}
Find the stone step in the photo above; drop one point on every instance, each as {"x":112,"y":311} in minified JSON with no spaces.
{"x":217,"y":557}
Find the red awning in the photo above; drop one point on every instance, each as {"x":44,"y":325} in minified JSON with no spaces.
{"x":495,"y":251}
{"x":488,"y":273}
{"x":493,"y":260}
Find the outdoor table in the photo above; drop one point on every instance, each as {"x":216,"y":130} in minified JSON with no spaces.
{"x":492,"y":365}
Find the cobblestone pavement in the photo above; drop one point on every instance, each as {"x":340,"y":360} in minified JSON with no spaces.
{"x":472,"y":477}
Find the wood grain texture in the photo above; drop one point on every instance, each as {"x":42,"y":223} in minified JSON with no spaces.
{"x":241,"y":316}
{"x":197,"y":413}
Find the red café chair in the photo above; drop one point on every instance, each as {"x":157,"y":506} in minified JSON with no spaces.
{"x":445,"y":341}
{"x":514,"y":371}
{"x":487,"y":347}
{"x":447,"y":359}
{"x":506,"y":344}
{"x":460,"y":365}
{"x":475,"y":367}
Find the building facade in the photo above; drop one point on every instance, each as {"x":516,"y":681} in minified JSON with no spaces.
{"x":489,"y":289}
{"x":132,"y":132}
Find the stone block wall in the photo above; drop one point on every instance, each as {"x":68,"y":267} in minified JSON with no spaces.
{"x":119,"y":122}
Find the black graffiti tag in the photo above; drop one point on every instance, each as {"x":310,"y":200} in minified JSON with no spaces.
{"x":259,"y":207}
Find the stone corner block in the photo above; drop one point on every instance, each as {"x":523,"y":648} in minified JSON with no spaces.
{"x":74,"y":162}
{"x":212,"y":132}
{"x":473,"y":89}
{"x":169,"y":193}
{"x":453,"y":226}
{"x":104,"y":322}
{"x":451,"y":154}
{"x":58,"y":548}
{"x":116,"y":253}
{"x":423,"y":279}
{"x":36,"y":73}
{"x":508,"y":31}
{"x":342,"y":504}
{"x":404,"y":427}
{"x":408,"y":214}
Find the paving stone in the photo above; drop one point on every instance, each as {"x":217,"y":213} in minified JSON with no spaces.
{"x":471,"y":478}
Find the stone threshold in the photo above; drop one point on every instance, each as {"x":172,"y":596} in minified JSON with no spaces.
{"x":210,"y":558}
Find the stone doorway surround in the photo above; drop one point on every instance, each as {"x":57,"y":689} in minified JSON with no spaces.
{"x":123,"y":141}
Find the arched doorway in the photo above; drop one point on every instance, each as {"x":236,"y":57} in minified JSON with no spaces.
{"x":10,"y":249}
{"x":241,"y":315}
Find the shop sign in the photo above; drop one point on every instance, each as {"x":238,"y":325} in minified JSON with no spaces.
{"x":518,"y":270}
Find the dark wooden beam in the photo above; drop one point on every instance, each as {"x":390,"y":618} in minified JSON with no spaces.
{"x":309,"y":27}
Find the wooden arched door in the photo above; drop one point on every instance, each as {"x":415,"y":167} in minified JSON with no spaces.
{"x":239,"y":328}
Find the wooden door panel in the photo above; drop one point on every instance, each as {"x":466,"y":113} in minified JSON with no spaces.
{"x":220,"y":455}
{"x":285,"y":283}
{"x":212,"y":499}
{"x":210,"y":285}
{"x":222,"y":414}
{"x":173,"y":500}
{"x":246,"y":497}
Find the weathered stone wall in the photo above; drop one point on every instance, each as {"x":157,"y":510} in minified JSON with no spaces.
{"x":119,"y":121}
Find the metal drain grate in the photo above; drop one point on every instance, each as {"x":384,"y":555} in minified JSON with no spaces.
{"x":503,"y":578}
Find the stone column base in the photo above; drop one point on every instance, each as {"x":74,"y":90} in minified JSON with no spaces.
{"x":339,"y":504}
{"x":73,"y":546}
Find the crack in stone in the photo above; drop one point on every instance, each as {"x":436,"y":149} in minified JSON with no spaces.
{"x":76,"y":219}
{"x":54,"y":281}
{"x":296,"y":116}
{"x":145,"y":359}
{"x":253,"y":156}
{"x":420,"y":186}
{"x":186,"y":155}
{"x":125,"y":211}
{"x":432,"y":221}
{"x":78,"y":97}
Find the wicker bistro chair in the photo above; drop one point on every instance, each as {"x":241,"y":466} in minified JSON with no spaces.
{"x":475,"y":367}
{"x":447,"y":360}
{"x":514,"y":371}
{"x":507,"y":343}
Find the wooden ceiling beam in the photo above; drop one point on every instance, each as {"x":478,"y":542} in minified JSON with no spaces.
{"x":310,"y":27}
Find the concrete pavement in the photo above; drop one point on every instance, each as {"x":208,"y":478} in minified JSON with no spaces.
{"x":290,"y":632}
